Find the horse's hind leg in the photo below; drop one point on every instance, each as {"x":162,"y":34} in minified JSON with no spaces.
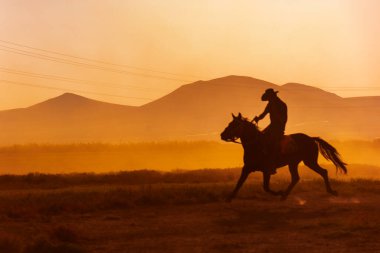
{"x":266,"y":184}
{"x":324,"y":174}
{"x":293,"y":168}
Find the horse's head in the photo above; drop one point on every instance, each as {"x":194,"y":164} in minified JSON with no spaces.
{"x":235,"y":128}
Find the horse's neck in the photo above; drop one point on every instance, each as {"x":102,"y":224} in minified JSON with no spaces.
{"x":250,"y":137}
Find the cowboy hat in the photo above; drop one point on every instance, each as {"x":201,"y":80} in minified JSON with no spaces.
{"x":268,"y":93}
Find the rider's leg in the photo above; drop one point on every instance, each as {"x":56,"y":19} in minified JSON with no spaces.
{"x":272,"y":158}
{"x":273,"y":147}
{"x":269,"y":154}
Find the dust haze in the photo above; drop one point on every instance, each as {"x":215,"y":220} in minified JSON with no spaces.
{"x":161,"y":156}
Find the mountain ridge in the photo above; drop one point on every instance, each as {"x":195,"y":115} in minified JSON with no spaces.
{"x":201,"y":108}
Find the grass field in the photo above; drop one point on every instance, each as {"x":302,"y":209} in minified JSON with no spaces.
{"x":184,"y":211}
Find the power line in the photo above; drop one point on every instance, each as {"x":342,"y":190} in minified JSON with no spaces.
{"x":46,"y":57}
{"x":354,"y":88}
{"x":75,"y":63}
{"x":348,"y":87}
{"x":144,"y":98}
{"x":81,"y":64}
{"x":71,"y":90}
{"x":71,"y":80}
{"x":93,"y":60}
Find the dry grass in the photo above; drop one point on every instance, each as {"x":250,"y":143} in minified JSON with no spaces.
{"x":150,"y":211}
{"x":9,"y":243}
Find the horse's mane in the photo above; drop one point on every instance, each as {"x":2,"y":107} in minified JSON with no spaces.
{"x":250,"y":122}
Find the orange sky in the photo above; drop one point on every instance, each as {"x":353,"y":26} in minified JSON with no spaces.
{"x":326,"y":43}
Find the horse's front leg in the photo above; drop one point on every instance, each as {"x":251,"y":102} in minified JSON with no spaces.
{"x":266,"y":184}
{"x":244,"y":174}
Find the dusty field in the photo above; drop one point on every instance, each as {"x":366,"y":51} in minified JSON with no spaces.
{"x":184,"y":212}
{"x":162,"y":156}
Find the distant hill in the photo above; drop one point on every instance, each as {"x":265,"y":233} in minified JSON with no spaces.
{"x":199,"y":110}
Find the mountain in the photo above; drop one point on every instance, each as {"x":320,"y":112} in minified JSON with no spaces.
{"x":199,"y":110}
{"x":67,"y":118}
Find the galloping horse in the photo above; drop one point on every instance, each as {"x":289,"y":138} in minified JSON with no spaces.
{"x":294,"y":149}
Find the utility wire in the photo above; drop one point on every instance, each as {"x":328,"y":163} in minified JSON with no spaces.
{"x":81,"y":64}
{"x":150,"y":99}
{"x":94,"y":66}
{"x":71,"y":90}
{"x":96,"y":61}
{"x":72,"y":80}
{"x":19,"y":51}
{"x":337,"y":88}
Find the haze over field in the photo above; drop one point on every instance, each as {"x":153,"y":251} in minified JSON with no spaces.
{"x":362,"y":157}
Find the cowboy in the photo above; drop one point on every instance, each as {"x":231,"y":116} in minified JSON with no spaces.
{"x":278,"y":112}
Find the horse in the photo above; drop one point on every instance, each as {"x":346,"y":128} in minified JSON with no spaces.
{"x":294,"y":149}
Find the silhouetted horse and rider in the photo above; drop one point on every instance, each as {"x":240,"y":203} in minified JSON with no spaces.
{"x":270,"y":149}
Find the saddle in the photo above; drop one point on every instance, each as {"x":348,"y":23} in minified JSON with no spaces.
{"x":287,"y":145}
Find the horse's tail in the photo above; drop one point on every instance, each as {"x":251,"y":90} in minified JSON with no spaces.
{"x":331,"y":154}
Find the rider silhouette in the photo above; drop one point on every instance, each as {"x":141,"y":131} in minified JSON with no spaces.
{"x":278,"y":112}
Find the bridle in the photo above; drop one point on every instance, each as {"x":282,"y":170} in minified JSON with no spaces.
{"x":234,"y":140}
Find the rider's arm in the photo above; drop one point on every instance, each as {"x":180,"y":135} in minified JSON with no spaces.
{"x":261,"y":116}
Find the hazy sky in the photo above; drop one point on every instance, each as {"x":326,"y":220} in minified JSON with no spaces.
{"x":164,"y":44}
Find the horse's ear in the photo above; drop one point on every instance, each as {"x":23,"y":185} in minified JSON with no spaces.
{"x":233,"y":116}
{"x":240,"y":116}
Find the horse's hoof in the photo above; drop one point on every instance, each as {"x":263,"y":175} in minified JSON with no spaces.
{"x":334,"y":193}
{"x":280,"y":193}
{"x":228,"y":200}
